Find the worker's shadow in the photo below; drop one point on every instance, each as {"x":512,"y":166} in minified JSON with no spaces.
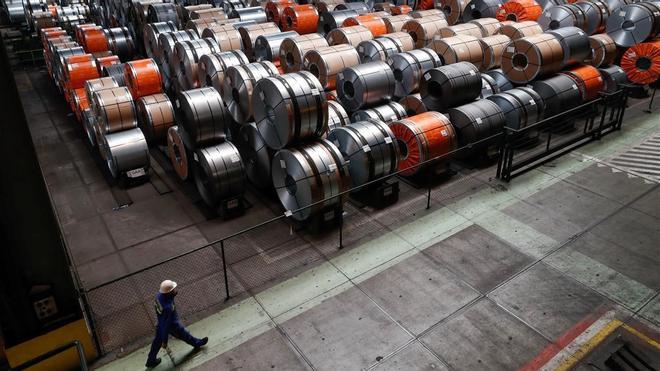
{"x":180,"y":359}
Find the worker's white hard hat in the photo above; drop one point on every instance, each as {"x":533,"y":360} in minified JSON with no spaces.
{"x":167,"y":286}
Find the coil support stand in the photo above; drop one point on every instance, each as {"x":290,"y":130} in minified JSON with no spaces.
{"x":378,"y":196}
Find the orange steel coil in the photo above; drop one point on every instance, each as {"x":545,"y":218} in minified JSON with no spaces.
{"x":603,"y":50}
{"x":49,"y":33}
{"x":373,"y":22}
{"x":519,"y":10}
{"x":300,"y":18}
{"x":94,"y":40}
{"x":421,"y":138}
{"x":76,"y":73}
{"x":517,"y":30}
{"x":143,"y":78}
{"x":425,"y":5}
{"x":588,"y":79}
{"x":642,"y":62}
{"x":80,"y":27}
{"x":401,"y":9}
{"x":274,"y":9}
{"x":106,"y":61}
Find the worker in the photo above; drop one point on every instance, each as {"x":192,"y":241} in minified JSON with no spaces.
{"x":169,"y":323}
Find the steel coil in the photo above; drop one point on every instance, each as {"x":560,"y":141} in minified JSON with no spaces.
{"x":337,"y":116}
{"x":75,"y":74}
{"x":326,"y":63}
{"x":186,"y":60}
{"x":521,"y":107}
{"x":204,"y":117}
{"x":613,"y":77}
{"x":488,"y":86}
{"x":421,"y":138}
{"x":461,"y":48}
{"x":588,"y":80}
{"x":332,"y":20}
{"x":250,"y":33}
{"x":517,"y":30}
{"x":303,"y":19}
{"x":155,"y":116}
{"x":143,"y":77}
{"x":60,"y":53}
{"x":477,"y":9}
{"x":365,"y":84}
{"x":408,"y":68}
{"x":89,"y":124}
{"x":212,"y":67}
{"x":151,"y":33}
{"x":214,"y":14}
{"x":488,"y":26}
{"x":327,"y":6}
{"x":596,"y":13}
{"x":79,"y":103}
{"x":239,"y":85}
{"x":352,"y":35}
{"x":254,"y":13}
{"x":178,"y":153}
{"x":450,"y":85}
{"x":530,"y":57}
{"x":422,"y":30}
{"x":383,"y":7}
{"x":395,"y":23}
{"x":519,"y":10}
{"x":559,"y":93}
{"x":199,"y":25}
{"x":492,"y":48}
{"x":124,"y":151}
{"x":120,"y":43}
{"x":219,"y":173}
{"x":306,"y":175}
{"x":274,"y":9}
{"x":256,"y":155}
{"x":187,"y":11}
{"x":167,"y":42}
{"x":226,"y":35}
{"x":468,"y":29}
{"x":453,"y":9}
{"x":370,"y":149}
{"x":381,"y":48}
{"x":230,"y":6}
{"x":371,"y":21}
{"x":292,"y":50}
{"x":290,"y":109}
{"x":569,"y":15}
{"x":500,"y":78}
{"x":603,"y":50}
{"x":575,"y":44}
{"x":387,"y":113}
{"x":413,"y":104}
{"x":115,"y":110}
{"x":355,"y":6}
{"x":417,"y":14}
{"x":642,"y":62}
{"x":163,"y":12}
{"x":267,"y":47}
{"x":116,"y":71}
{"x":634,"y":23}
{"x":93,"y":40}
{"x":475,"y":122}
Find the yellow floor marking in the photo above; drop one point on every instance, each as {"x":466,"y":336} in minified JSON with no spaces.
{"x":589,"y":345}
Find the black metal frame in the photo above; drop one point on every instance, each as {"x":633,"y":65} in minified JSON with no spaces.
{"x":51,"y":353}
{"x":601,"y":117}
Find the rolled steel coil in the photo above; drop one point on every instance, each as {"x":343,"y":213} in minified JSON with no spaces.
{"x":422,"y":30}
{"x":186,"y":60}
{"x":477,"y":9}
{"x":79,"y":61}
{"x":215,"y":14}
{"x":365,"y":84}
{"x":383,"y":7}
{"x":204,"y":117}
{"x":163,"y":12}
{"x":250,"y":33}
{"x":337,"y":116}
{"x":492,"y":48}
{"x":254,"y":13}
{"x":475,"y":122}
{"x":60,"y":54}
{"x":603,"y":50}
{"x":199,"y":25}
{"x":94,"y":40}
{"x":68,"y":22}
{"x":569,"y":15}
{"x":306,"y":175}
{"x":95,"y":85}
{"x":559,"y":93}
{"x":151,"y":33}
{"x":421,"y":138}
{"x":613,"y":77}
{"x":401,"y":9}
{"x":293,"y":49}
{"x":219,"y":173}
{"x":15,"y":13}
{"x":79,"y":103}
{"x":370,"y":149}
{"x":461,"y":48}
{"x":500,"y":78}
{"x":517,"y":30}
{"x":326,"y":63}
{"x":450,"y":85}
{"x":417,"y":14}
{"x":43,"y":19}
{"x":229,"y":6}
{"x":521,"y":107}
{"x":387,"y":113}
{"x":381,"y":48}
{"x":290,"y":109}
{"x":409,"y":67}
{"x":488,"y":86}
{"x":143,"y":77}
{"x":274,"y":9}
{"x":332,"y":20}
{"x":116,"y":71}
{"x":596,"y":13}
{"x":257,"y":157}
{"x":642,"y":62}
{"x":468,"y":29}
{"x":124,"y":151}
{"x":453,"y":9}
{"x":75,"y":74}
{"x":89,"y":124}
{"x":488,"y":26}
{"x":351,"y":35}
{"x":187,"y":11}
{"x":226,"y":35}
{"x":634,"y":23}
{"x":413,"y":104}
{"x":120,"y":42}
{"x":326,"y":6}
{"x":115,"y":110}
{"x":519,"y":10}
{"x":239,"y":85}
{"x":575,"y":44}
{"x":530,"y":57}
{"x":178,"y":153}
{"x":371,"y":21}
{"x":212,"y":67}
{"x":356,"y":6}
{"x":303,"y":19}
{"x":167,"y":42}
{"x":267,"y":47}
{"x":155,"y":116}
{"x":588,"y":80}
{"x":395,"y":23}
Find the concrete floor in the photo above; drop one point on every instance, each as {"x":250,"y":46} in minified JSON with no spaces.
{"x":492,"y":276}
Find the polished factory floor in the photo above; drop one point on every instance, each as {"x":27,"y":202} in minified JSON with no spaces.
{"x":492,"y":276}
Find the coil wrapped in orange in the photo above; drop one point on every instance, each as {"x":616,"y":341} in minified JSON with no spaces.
{"x":425,"y":5}
{"x":274,"y":9}
{"x":94,"y":40}
{"x":519,"y":10}
{"x":642,"y":62}
{"x":76,"y":70}
{"x":102,"y":62}
{"x":401,"y":9}
{"x":300,"y":18}
{"x":373,"y":22}
{"x":588,"y":80}
{"x":421,"y":138}
{"x":143,"y":78}
{"x":79,"y":102}
{"x":48,"y":33}
{"x":78,"y":29}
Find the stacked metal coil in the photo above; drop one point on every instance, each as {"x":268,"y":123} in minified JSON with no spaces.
{"x":212,"y":67}
{"x":257,"y":156}
{"x":568,"y":15}
{"x":291,"y":108}
{"x":151,"y":33}
{"x":332,"y":20}
{"x":114,"y":111}
{"x":167,"y":42}
{"x":185,"y":60}
{"x":226,"y":35}
{"x":219,"y":173}
{"x":634,"y":23}
{"x":519,"y":10}
{"x":355,"y":6}
{"x":517,"y":30}
{"x":274,"y":9}
{"x":326,"y":63}
{"x":642,"y":62}
{"x":603,"y":50}
{"x":596,"y":13}
{"x":163,"y":12}
{"x":422,"y":138}
{"x":461,"y":48}
{"x":492,"y":48}
{"x":450,"y":85}
{"x":327,"y":6}
{"x":530,"y":57}
{"x":588,"y":80}
{"x":503,"y":82}
{"x":142,"y":77}
{"x":488,"y":26}
{"x":474,"y":123}
{"x":93,"y":40}
{"x":559,"y":93}
{"x":267,"y":47}
{"x":395,"y":23}
{"x":365,"y":84}
{"x":337,"y":115}
{"x":303,"y":19}
{"x":422,"y":30}
{"x":254,"y":14}
{"x":204,"y":117}
{"x":385,"y":46}
{"x":178,"y":153}
{"x":249,"y":34}
{"x":468,"y":29}
{"x":187,"y":12}
{"x":292,"y":50}
{"x":120,"y":42}
{"x":124,"y":151}
{"x":453,"y":9}
{"x":413,"y":104}
{"x":613,"y":78}
{"x":351,"y":35}
{"x":199,"y":25}
{"x":575,"y":44}
{"x":521,"y":106}
{"x":239,"y":85}
{"x":370,"y":149}
{"x":428,"y":13}
{"x":488,"y":86}
{"x":116,"y":71}
{"x":477,"y":9}
{"x":371,"y":21}
{"x":155,"y":116}
{"x":409,"y":67}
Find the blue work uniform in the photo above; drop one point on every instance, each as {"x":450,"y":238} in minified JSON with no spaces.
{"x":168,"y":324}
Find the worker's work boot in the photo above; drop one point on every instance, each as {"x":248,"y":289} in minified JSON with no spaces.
{"x":202,"y":342}
{"x":153,"y":364}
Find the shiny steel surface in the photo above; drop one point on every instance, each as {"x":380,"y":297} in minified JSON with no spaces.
{"x":120,"y":42}
{"x":387,"y":113}
{"x":488,"y":86}
{"x":596,"y":13}
{"x":395,"y":23}
{"x":115,"y":71}
{"x":267,"y":47}
{"x":500,"y":78}
{"x":461,"y":48}
{"x":574,"y":42}
{"x":492,"y":48}
{"x":151,"y":32}
{"x":632,"y":24}
{"x":453,"y":9}
{"x":89,"y":124}
{"x":413,"y":104}
{"x":365,"y":84}
{"x":249,"y":34}
{"x":527,"y":58}
{"x":226,"y":35}
{"x":381,"y":48}
{"x":331,"y":20}
{"x":476,"y":121}
{"x":521,"y":106}
{"x":408,"y":68}
{"x":351,"y":35}
{"x":219,"y":173}
{"x":422,"y":30}
{"x":212,"y":67}
{"x":115,"y":110}
{"x":559,"y":93}
{"x":469,"y":29}
{"x":292,"y":50}
{"x":337,"y":116}
{"x":155,"y":116}
{"x":450,"y":85}
{"x":125,"y":150}
{"x":203,"y":116}
{"x":603,"y":50}
{"x":94,"y":85}
{"x":488,"y":26}
{"x":185,"y":60}
{"x":255,"y":13}
{"x":239,"y":84}
{"x":517,"y":30}
{"x":569,"y":15}
{"x":163,"y":12}
{"x":326,"y":63}
{"x":613,"y":77}
{"x":477,"y":9}
{"x":256,"y":155}
{"x":178,"y":153}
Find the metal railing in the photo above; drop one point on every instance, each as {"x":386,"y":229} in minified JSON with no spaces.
{"x":80,"y":351}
